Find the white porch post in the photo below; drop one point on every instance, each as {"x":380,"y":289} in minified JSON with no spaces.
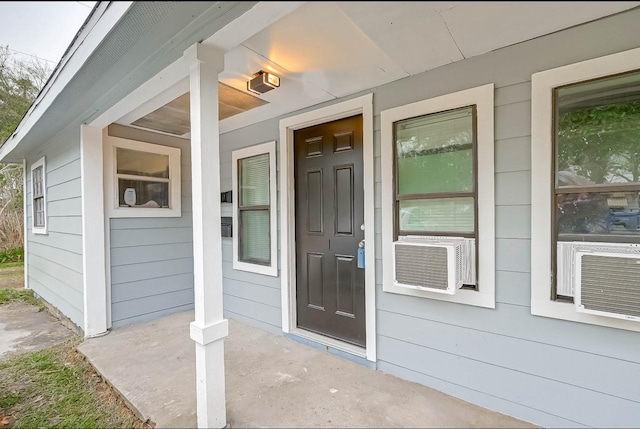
{"x":209,"y":328}
{"x":93,"y":240}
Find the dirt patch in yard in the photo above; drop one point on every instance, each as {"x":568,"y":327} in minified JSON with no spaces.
{"x":12,"y":276}
{"x":25,"y":327}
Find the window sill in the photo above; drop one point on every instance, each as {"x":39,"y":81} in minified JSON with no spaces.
{"x":567,"y":311}
{"x":462,"y":296}
{"x":124,"y":212}
{"x":39,"y":231}
{"x":256,"y":269}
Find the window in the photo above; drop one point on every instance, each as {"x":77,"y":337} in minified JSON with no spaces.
{"x":145,"y":177}
{"x":437,"y":174}
{"x":597,"y":159}
{"x":39,"y":197}
{"x":585,"y":173}
{"x":254,"y":215}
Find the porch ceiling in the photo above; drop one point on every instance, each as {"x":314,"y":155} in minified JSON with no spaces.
{"x":326,"y":50}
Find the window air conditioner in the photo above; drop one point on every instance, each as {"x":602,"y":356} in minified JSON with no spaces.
{"x":607,"y":280}
{"x":434,"y":264}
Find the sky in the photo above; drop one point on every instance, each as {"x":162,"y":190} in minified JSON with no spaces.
{"x":41,"y":29}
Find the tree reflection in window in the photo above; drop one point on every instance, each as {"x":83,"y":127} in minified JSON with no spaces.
{"x":597,"y":130}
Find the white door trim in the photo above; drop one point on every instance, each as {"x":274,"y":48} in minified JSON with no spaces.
{"x":361,"y":105}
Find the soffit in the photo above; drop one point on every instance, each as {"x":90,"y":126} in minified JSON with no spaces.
{"x":174,"y":117}
{"x":326,"y":50}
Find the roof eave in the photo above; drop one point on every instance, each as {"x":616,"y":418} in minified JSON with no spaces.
{"x":101,"y":20}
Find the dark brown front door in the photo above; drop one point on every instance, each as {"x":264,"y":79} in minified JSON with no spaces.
{"x":329,"y":213}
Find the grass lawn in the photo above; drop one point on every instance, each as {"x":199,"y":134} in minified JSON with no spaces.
{"x":22,"y":295}
{"x":57,"y":388}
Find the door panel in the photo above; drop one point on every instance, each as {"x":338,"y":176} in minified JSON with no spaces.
{"x":315,"y":280}
{"x":344,"y":199}
{"x":345,"y":282}
{"x":314,"y":202}
{"x":329,"y":212}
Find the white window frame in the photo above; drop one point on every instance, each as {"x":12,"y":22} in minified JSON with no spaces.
{"x":111,"y":179}
{"x":272,"y":268}
{"x":482,"y":97}
{"x":39,"y":229}
{"x":542,"y":86}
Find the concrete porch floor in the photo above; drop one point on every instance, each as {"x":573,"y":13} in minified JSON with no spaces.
{"x":271,"y":381}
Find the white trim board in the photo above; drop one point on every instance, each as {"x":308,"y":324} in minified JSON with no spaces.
{"x":361,"y":105}
{"x":482,"y":97}
{"x":24,"y":224}
{"x":270,"y":149}
{"x":542,"y":86}
{"x":94,"y":252}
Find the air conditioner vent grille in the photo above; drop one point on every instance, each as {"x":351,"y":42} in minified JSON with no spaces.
{"x":610,"y":284}
{"x":421,"y":266}
{"x":566,"y":258}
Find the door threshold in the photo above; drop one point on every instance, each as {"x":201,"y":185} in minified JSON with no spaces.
{"x":330,"y":342}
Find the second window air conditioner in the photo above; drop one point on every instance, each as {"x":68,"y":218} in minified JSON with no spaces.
{"x":434,"y":264}
{"x":602,"y":278}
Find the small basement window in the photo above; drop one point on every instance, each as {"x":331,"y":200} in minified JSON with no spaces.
{"x":146,"y":179}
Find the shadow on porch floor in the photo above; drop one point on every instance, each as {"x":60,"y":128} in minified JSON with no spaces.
{"x":271,"y":382}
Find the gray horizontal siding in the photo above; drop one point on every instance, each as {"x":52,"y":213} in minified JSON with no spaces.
{"x":546,"y":371}
{"x":540,"y":360}
{"x":149,"y":236}
{"x":555,"y":398}
{"x":550,"y":372}
{"x":126,"y":256}
{"x":541,"y":417}
{"x":152,"y":258}
{"x":54,"y":265}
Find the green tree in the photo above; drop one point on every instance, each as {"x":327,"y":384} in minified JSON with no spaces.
{"x":20,"y":83}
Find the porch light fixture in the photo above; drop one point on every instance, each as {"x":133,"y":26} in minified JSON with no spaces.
{"x":262,"y":82}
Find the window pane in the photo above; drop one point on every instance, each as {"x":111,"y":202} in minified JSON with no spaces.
{"x":435,"y":153}
{"x":437,"y":215}
{"x":599,"y":213}
{"x":254,"y":180}
{"x":598,"y":131}
{"x":254,"y":236}
{"x":37,"y":182}
{"x":146,"y":194}
{"x":140,"y":163}
{"x":38,"y":211}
